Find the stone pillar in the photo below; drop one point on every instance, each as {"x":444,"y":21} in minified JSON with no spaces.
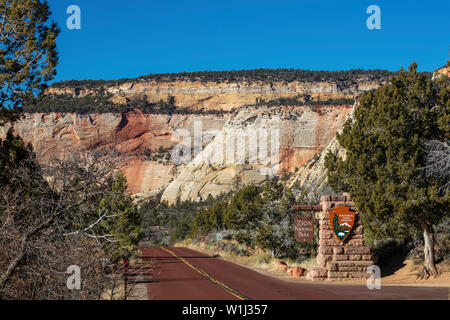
{"x":339,"y":260}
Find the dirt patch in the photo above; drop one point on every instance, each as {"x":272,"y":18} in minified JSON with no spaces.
{"x":406,"y":274}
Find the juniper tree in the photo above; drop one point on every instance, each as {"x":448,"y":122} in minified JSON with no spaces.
{"x":121,"y":219}
{"x":243,"y":212}
{"x":385,"y":168}
{"x":275,"y":226}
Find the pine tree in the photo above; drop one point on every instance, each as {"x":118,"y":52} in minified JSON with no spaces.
{"x":27,"y":60}
{"x":28,"y":54}
{"x":124,"y":220}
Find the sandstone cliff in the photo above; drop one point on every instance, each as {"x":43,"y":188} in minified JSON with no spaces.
{"x":135,"y":135}
{"x":147,"y":140}
{"x":304,"y":132}
{"x":311,"y":178}
{"x":220,"y":96}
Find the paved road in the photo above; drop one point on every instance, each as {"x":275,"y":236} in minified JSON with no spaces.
{"x":186,"y":274}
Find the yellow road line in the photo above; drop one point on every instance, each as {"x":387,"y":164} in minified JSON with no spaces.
{"x":207,"y":276}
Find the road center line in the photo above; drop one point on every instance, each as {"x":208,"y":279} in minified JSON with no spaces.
{"x":208,"y":277}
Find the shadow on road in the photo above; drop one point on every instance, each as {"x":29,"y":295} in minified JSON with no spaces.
{"x":184,"y":257}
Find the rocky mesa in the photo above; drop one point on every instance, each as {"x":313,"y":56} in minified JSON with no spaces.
{"x":302,"y":116}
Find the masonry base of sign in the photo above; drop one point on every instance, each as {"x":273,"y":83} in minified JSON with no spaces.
{"x":340,"y":260}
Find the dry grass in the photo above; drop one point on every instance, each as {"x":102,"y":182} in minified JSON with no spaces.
{"x":256,"y":258}
{"x":115,"y":293}
{"x":116,"y":290}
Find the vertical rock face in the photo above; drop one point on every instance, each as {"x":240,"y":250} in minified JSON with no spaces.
{"x":302,"y":133}
{"x":222,"y":96}
{"x":298,"y":134}
{"x":138,"y":136}
{"x":132,"y":132}
{"x":147,"y":141}
{"x":311,"y":178}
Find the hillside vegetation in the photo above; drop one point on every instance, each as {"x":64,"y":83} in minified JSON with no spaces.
{"x":264,"y":75}
{"x":100,"y":102}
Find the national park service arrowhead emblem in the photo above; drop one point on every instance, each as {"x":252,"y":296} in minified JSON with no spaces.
{"x":341,"y":221}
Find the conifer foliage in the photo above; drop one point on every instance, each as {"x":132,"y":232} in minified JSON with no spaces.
{"x":387,"y":169}
{"x":28,"y":56}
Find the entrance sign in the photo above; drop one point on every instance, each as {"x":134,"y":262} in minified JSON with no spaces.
{"x":304,"y":228}
{"x":341,"y":221}
{"x":218,"y":236}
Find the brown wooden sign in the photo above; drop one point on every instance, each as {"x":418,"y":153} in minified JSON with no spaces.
{"x":341,"y":221}
{"x":304,"y":228}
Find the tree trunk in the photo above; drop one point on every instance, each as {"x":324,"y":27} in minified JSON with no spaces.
{"x":429,"y":263}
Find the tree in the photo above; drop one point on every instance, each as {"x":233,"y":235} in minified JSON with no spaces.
{"x":209,"y":219}
{"x":275,"y":227}
{"x":182,"y":230}
{"x":71,"y":211}
{"x":215,"y":216}
{"x":201,"y":224}
{"x":28,"y":54}
{"x":243,"y":211}
{"x":437,"y":149}
{"x":121,"y":220}
{"x":263,"y":217}
{"x":170,"y":101}
{"x":12,"y":152}
{"x":386,"y":155}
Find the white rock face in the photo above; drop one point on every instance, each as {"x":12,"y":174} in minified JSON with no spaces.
{"x":312,"y":176}
{"x":303,"y":133}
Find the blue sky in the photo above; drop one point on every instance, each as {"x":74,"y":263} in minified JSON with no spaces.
{"x":122,"y":39}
